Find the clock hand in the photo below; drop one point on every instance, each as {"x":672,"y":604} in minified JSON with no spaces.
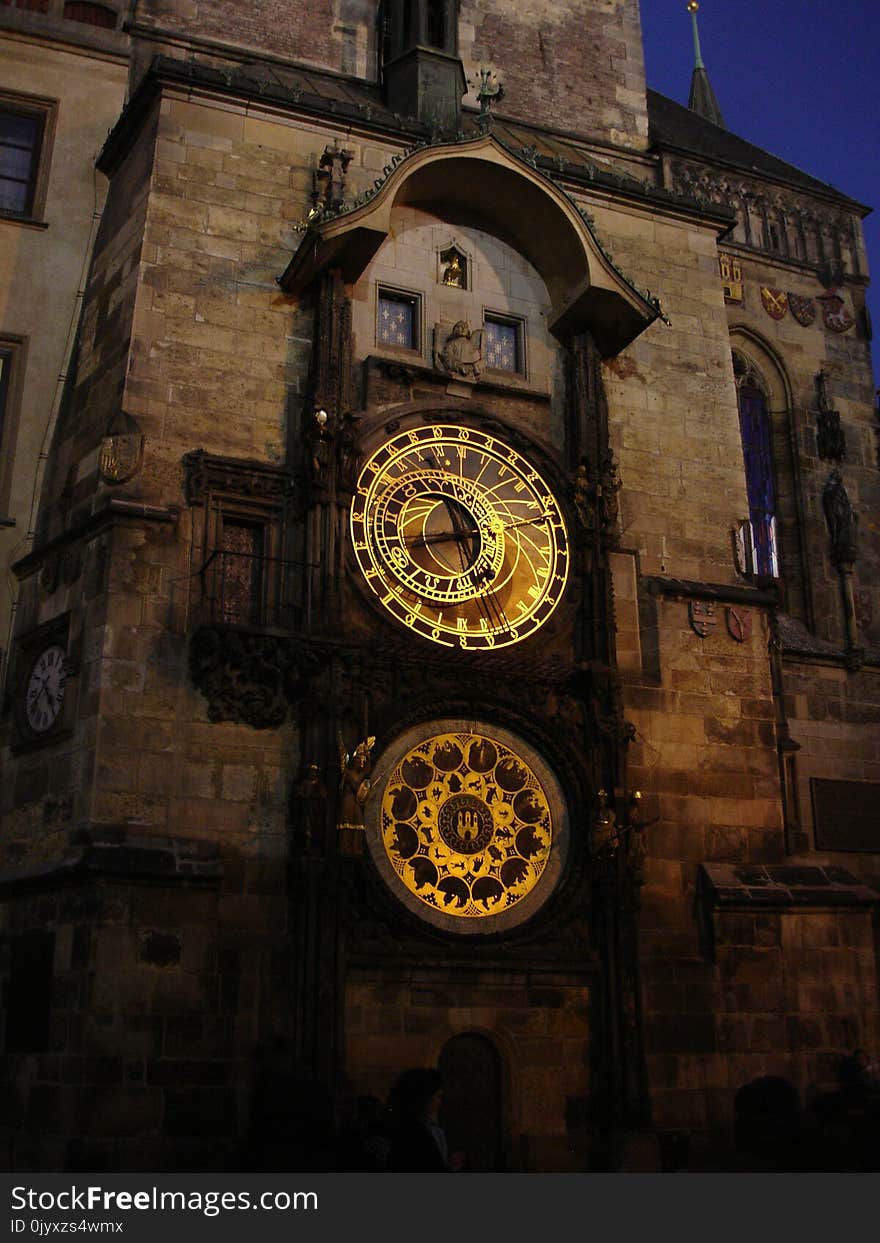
{"x":420,"y":541}
{"x":500,"y":621}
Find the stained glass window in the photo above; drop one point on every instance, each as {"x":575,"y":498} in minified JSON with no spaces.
{"x":397,"y":320}
{"x":502,"y":344}
{"x":757,"y":452}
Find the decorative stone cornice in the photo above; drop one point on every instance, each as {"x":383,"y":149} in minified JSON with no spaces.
{"x":205,"y":473}
{"x":248,"y":676}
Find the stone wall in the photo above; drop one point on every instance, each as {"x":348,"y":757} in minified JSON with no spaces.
{"x":334,"y":34}
{"x":540,"y":1022}
{"x":572,"y":66}
{"x":44,"y":268}
{"x":159,"y":988}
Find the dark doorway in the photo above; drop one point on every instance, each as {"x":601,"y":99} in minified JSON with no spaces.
{"x":471,"y":1115}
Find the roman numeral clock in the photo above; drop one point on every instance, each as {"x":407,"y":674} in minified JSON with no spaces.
{"x":462,"y":541}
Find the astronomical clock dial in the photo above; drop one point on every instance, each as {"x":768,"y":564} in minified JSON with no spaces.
{"x":44,"y":691}
{"x":459,"y":537}
{"x":465,"y":826}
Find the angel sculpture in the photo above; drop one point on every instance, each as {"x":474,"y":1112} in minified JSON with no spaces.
{"x":354,"y":787}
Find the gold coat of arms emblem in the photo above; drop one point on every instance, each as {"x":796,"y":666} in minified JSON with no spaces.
{"x":774,"y":302}
{"x":122,"y":450}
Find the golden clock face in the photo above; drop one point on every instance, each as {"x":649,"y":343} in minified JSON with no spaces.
{"x":459,"y":537}
{"x":466,"y":825}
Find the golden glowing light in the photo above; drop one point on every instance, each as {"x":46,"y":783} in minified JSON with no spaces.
{"x":466,"y":824}
{"x":460,"y":538}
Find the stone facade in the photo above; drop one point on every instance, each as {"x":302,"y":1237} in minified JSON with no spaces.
{"x":184,"y":875}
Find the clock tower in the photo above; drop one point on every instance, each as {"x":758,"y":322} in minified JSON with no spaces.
{"x":461,"y":502}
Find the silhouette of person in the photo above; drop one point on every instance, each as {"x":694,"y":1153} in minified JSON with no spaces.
{"x":418,"y":1141}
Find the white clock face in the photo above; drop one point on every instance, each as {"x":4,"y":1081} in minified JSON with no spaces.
{"x":45,"y":689}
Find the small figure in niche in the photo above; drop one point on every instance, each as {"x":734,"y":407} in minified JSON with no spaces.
{"x":454,"y":269}
{"x":307,"y":808}
{"x":355,"y":785}
{"x":582,"y":493}
{"x":318,"y":439}
{"x":605,"y":833}
{"x":348,"y":455}
{"x":841,"y":519}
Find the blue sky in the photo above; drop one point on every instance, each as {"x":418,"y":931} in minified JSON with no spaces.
{"x":800,"y":78}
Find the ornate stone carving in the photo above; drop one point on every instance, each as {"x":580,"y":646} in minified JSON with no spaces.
{"x":354,"y":787}
{"x":595,"y":497}
{"x":122,"y":449}
{"x":607,"y":488}
{"x":308,"y":805}
{"x":348,"y":454}
{"x":783,"y":224}
{"x":329,"y":189}
{"x":204,"y":473}
{"x":249,"y":678}
{"x":331,"y":380}
{"x":830,"y":439}
{"x":458,"y":350}
{"x":841,"y":519}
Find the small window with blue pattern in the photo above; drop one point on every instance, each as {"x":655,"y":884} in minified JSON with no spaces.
{"x":397,"y":319}
{"x":502,"y":344}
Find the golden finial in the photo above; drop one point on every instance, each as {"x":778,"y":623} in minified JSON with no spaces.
{"x":698,"y":56}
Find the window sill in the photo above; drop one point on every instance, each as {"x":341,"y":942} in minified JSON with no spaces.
{"x":27,"y":221}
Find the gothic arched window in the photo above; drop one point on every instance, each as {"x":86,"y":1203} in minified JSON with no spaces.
{"x":757,"y":443}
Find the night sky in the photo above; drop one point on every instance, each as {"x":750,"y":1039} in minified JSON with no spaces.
{"x":800,"y":78}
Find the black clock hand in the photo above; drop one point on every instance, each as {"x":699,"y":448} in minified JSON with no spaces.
{"x":500,"y":621}
{"x":452,"y":508}
{"x":420,"y":541}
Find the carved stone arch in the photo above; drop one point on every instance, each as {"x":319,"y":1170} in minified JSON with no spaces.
{"x":764,"y":368}
{"x":483,"y":178}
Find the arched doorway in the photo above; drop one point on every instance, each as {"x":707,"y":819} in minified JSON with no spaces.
{"x":471,"y":1115}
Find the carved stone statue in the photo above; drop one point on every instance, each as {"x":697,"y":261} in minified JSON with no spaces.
{"x":330,"y":178}
{"x":635,"y":851}
{"x":830,"y":438}
{"x":582,"y":494}
{"x":348,"y":454}
{"x":462,"y":353}
{"x":307,"y":807}
{"x":354,"y":788}
{"x":605,"y":829}
{"x":319,"y":441}
{"x":841,"y":519}
{"x":607,"y":490}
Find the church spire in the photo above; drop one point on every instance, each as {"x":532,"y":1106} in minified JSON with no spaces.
{"x":702,"y":98}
